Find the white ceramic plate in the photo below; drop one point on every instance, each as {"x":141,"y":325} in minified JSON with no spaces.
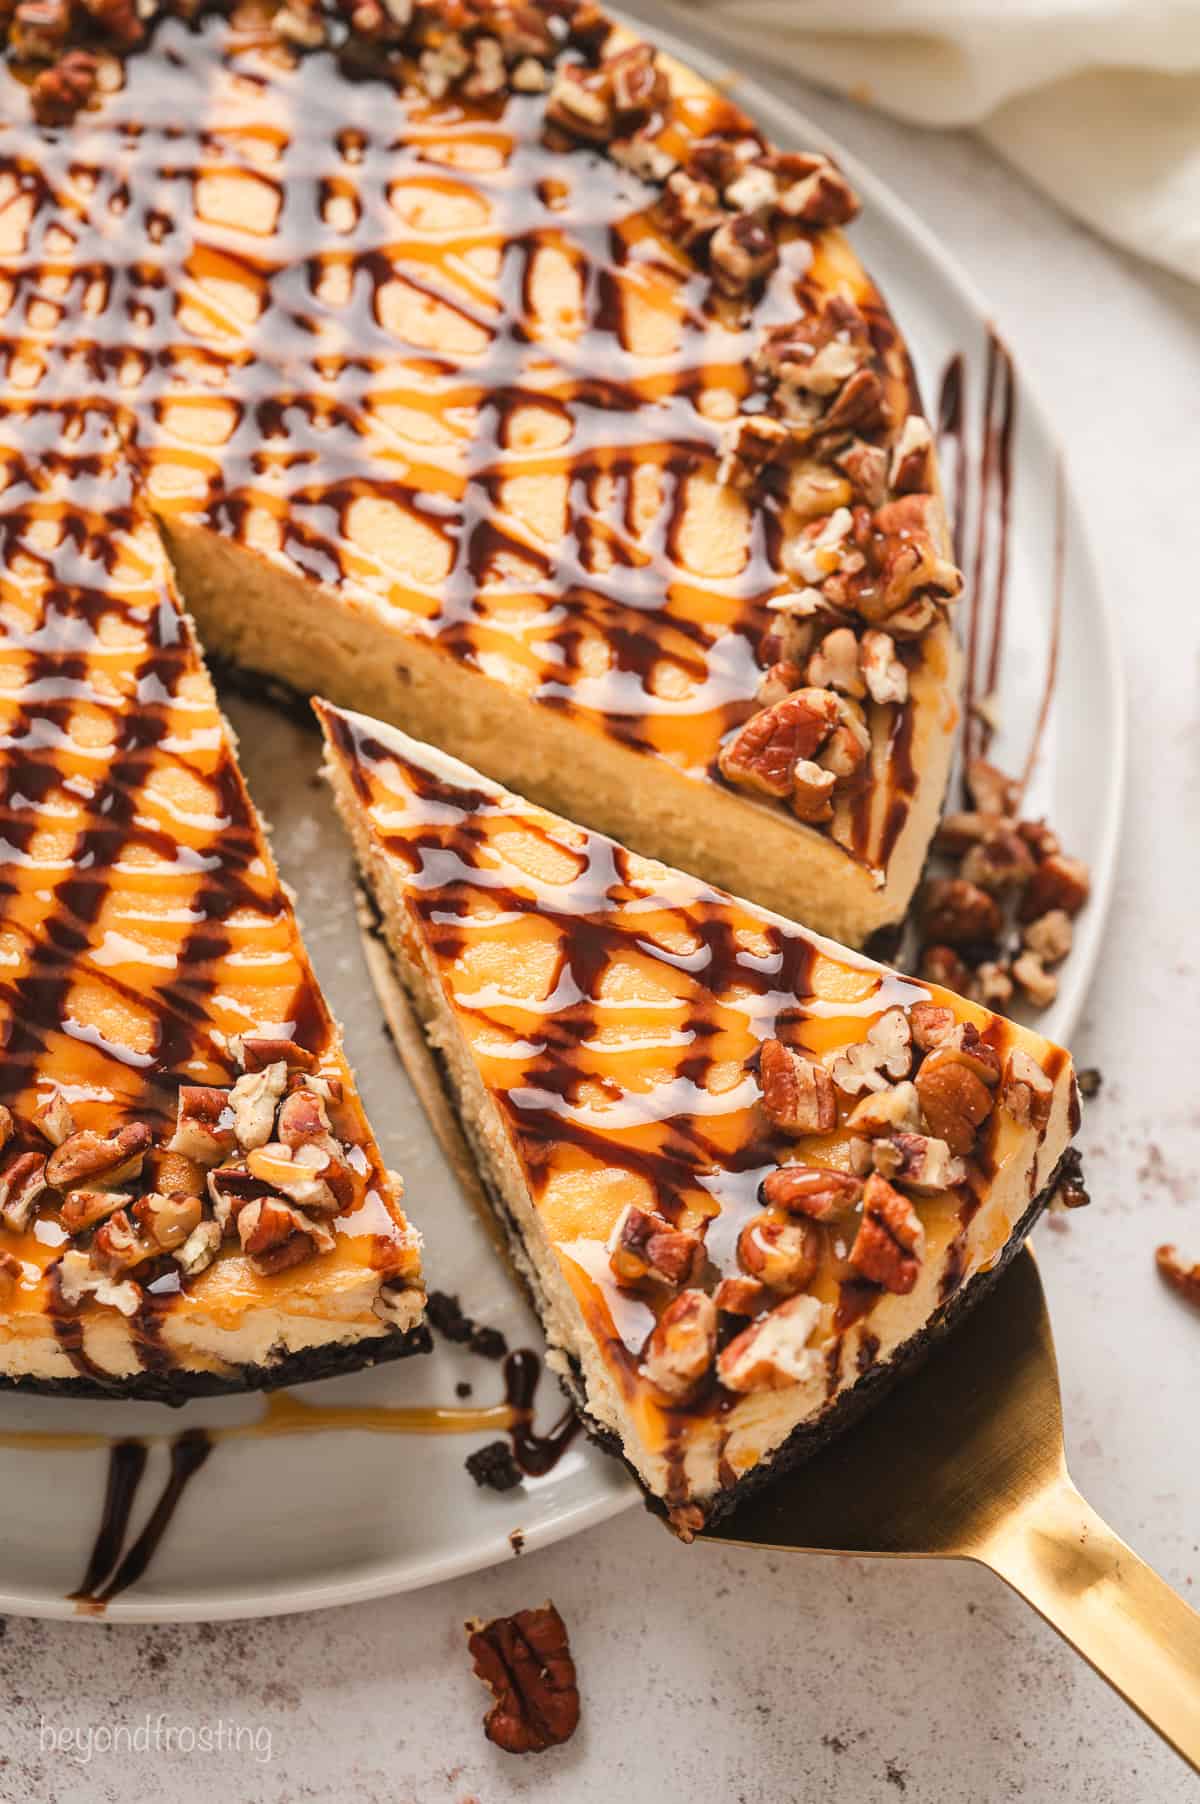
{"x":277,"y":1525}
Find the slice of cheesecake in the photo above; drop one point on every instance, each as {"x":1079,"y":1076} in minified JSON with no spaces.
{"x":190,"y":1196}
{"x":540,"y":406}
{"x":747,"y":1173}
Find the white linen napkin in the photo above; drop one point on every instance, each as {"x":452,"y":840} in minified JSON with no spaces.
{"x":1097,"y":101}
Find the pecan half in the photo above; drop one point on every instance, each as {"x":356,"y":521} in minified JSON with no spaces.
{"x":526,"y":1663}
{"x":890,"y":1242}
{"x":816,"y":1191}
{"x":773,"y":1352}
{"x":955,"y":1100}
{"x":797,"y":1094}
{"x":680,"y":1350}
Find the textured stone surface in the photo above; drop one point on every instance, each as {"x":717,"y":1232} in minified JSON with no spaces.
{"x":716,"y":1674}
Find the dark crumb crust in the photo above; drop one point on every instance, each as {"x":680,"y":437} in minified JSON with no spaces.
{"x":809,"y":1438}
{"x":177,"y":1386}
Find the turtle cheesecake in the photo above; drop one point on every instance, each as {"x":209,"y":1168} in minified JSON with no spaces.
{"x":190,"y":1197}
{"x":747,"y":1173}
{"x":488,"y":370}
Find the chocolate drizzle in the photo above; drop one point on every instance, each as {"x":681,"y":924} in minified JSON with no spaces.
{"x":536,"y":1454}
{"x":109,"y":1571}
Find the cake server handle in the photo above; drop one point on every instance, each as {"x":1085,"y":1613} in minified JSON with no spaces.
{"x":1112,"y":1607}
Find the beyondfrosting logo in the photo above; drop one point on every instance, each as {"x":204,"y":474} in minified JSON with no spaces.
{"x":155,"y":1735}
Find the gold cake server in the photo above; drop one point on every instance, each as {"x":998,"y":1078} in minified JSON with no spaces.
{"x":964,"y":1460}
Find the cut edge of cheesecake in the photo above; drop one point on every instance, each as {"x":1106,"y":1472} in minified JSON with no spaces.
{"x":691,"y":1470}
{"x":101,"y":1291}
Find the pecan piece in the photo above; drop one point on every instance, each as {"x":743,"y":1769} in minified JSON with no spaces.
{"x":812,"y":189}
{"x":687,"y":210}
{"x":999,"y":863}
{"x":797,"y":1094}
{"x":679,"y":1352}
{"x":253,"y":1100}
{"x":912,"y":470}
{"x":742,"y":253}
{"x":812,"y":792}
{"x":890,"y":1242}
{"x":773,"y":1352}
{"x":991,"y":790}
{"x":167,"y":1220}
{"x":1027,"y":1092}
{"x":274,"y":1235}
{"x":52,"y":1118}
{"x":753,"y":445}
{"x":918,"y":1161}
{"x":882,"y":1112}
{"x":931,"y":1023}
{"x":23,"y":1183}
{"x":199,"y":1249}
{"x":956,"y":913}
{"x":102,"y":1158}
{"x":886,"y":677}
{"x":740,"y":1296}
{"x":526,"y":1663}
{"x":60,"y":92}
{"x":942,"y":965}
{"x":203,"y":1124}
{"x":781,"y":1251}
{"x":254,"y":1052}
{"x":78,"y":1278}
{"x":581,"y":102}
{"x":1057,"y":882}
{"x":1040,"y":985}
{"x":1183,"y":1278}
{"x":817,"y":1191}
{"x":834,"y":664}
{"x":118,"y":1248}
{"x":763,"y":753}
{"x":1049,"y":938}
{"x":645,"y":1245}
{"x":639,"y":87}
{"x":82,"y":1209}
{"x":885,"y":1055}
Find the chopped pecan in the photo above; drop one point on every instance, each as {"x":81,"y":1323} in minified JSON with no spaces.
{"x":918,"y":1161}
{"x":930,"y":1024}
{"x":7,"y":1125}
{"x":912,"y":470}
{"x":204,"y":1124}
{"x":644,"y":1245}
{"x":819,"y":351}
{"x":11,"y":1274}
{"x":303,"y":1120}
{"x":779,"y":682}
{"x":119,"y":20}
{"x":298,"y":1176}
{"x":755,"y":190}
{"x":1050,"y":936}
{"x":680,"y":1349}
{"x":580,"y":102}
{"x":885,"y":1111}
{"x":846,"y":750}
{"x":797,"y":1093}
{"x":943,"y":966}
{"x":39,"y":29}
{"x":816,"y":1191}
{"x":274,"y":1235}
{"x":957,"y":833}
{"x":1040,"y":985}
{"x":1042,"y":841}
{"x":754,"y":444}
{"x":78,"y":1278}
{"x":230,"y":1188}
{"x":254,"y":1099}
{"x":956,"y":913}
{"x":721,"y":161}
{"x":992,"y":983}
{"x":102,"y":1158}
{"x":255,"y":1052}
{"x":82,"y":1209}
{"x":639,"y":86}
{"x":118,"y":1248}
{"x":1183,"y":1278}
{"x":52,"y":1117}
{"x":167,"y":1220}
{"x":763,"y":753}
{"x":23,"y":1183}
{"x":199,"y":1249}
{"x":741,"y":1296}
{"x":1069,"y":1190}
{"x":812,"y":190}
{"x":885,"y":1055}
{"x":890,"y":1242}
{"x":1057,"y":882}
{"x":687,"y":210}
{"x":999,"y":863}
{"x":818,"y":549}
{"x":897,"y":560}
{"x":955,"y":1100}
{"x":886,"y":676}
{"x":781,"y":1251}
{"x":812,"y":792}
{"x":741,"y":253}
{"x":866,"y":466}
{"x":1027,"y":1092}
{"x":834,"y":664}
{"x":990,"y":789}
{"x":773,"y":1352}
{"x":526,"y":1663}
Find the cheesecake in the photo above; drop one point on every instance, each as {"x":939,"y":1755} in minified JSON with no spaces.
{"x":489,"y":371}
{"x":191,"y":1199}
{"x":749,"y":1175}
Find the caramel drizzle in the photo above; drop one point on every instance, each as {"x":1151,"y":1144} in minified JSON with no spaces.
{"x":671,"y":1137}
{"x":295,"y":339}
